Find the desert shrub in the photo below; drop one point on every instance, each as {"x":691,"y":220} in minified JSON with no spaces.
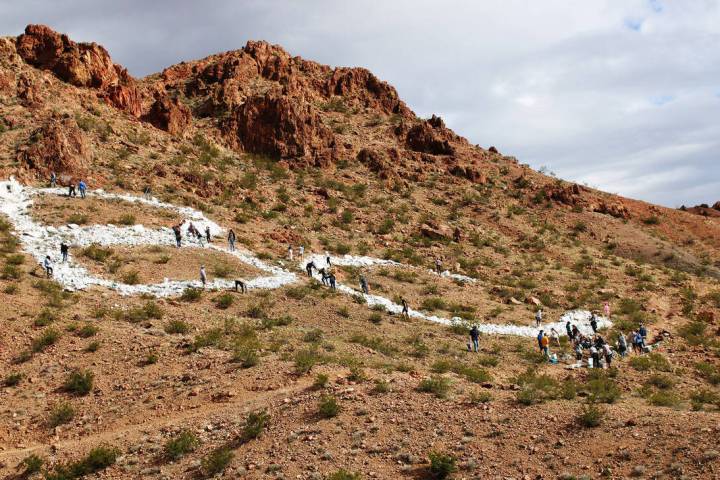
{"x":433,"y":303}
{"x":11,"y":272}
{"x":651,"y":220}
{"x":150,"y":359}
{"x":488,"y":361}
{"x":480,"y":396}
{"x":313,"y":336}
{"x":328,"y":406}
{"x":709,"y":372}
{"x":245,"y":353}
{"x":536,"y":388}
{"x":191,"y":294}
{"x":12,"y":379}
{"x":97,"y":253}
{"x":343,"y":312}
{"x":437,"y":385}
{"x":357,"y":374}
{"x":702,"y":397}
{"x":77,"y":219}
{"x":31,"y":464}
{"x":442,"y":465}
{"x":208,"y":338}
{"x":664,"y":398}
{"x":183,"y":443}
{"x":92,"y":347}
{"x":61,"y":414}
{"x":255,"y":311}
{"x":381,"y":386}
{"x":216,"y":461}
{"x":45,"y":318}
{"x":321,"y":380}
{"x":603,"y":390}
{"x":374,"y":343}
{"x":591,"y":415}
{"x":86,"y":331}
{"x":305,"y":360}
{"x":662,"y":382}
{"x":568,"y":389}
{"x":375,"y":318}
{"x":694,"y":333}
{"x":126,"y":219}
{"x":255,"y":423}
{"x":270,"y":323}
{"x":177,"y":326}
{"x":343,"y":474}
{"x":222,"y":270}
{"x":473,"y":374}
{"x":79,"y":382}
{"x":652,"y":361}
{"x":96,"y":460}
{"x":131,"y":278}
{"x":224,"y":301}
{"x":47,"y":338}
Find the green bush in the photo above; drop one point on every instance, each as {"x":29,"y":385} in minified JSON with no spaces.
{"x":126,"y":219}
{"x":216,"y":462}
{"x":480,"y":396}
{"x":652,"y":361}
{"x":328,"y":406}
{"x":97,"y":252}
{"x":191,"y":294}
{"x":47,"y":338}
{"x":343,"y":474}
{"x":305,"y":360}
{"x":433,"y":303}
{"x":536,"y":388}
{"x":61,"y":414}
{"x":381,"y":386}
{"x":437,"y":385}
{"x":177,"y":326}
{"x":224,"y":301}
{"x":709,"y":372}
{"x":12,"y":379}
{"x":92,"y":347}
{"x":374,"y":343}
{"x":255,"y":424}
{"x":96,"y":460}
{"x":31,"y":465}
{"x":603,"y":390}
{"x":185,"y":442}
{"x":79,"y":382}
{"x":664,"y":398}
{"x":591,"y":416}
{"x":45,"y":318}
{"x":442,"y":465}
{"x":86,"y":331}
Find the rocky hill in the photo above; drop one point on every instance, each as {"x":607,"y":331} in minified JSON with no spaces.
{"x":299,"y":381}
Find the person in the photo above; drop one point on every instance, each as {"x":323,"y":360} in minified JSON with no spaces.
{"x":578,"y":352}
{"x":327,"y":257}
{"x":82,"y":187}
{"x":47,"y":263}
{"x":178,"y":235}
{"x":331,"y":279}
{"x":639,"y":342}
{"x":568,"y":329}
{"x":576,"y":333}
{"x":606,"y":309}
{"x":203,"y":275}
{"x":593,"y":322}
{"x":240,"y":283}
{"x":207,"y":234}
{"x":147,"y":193}
{"x":323,"y":276}
{"x":622,"y":344}
{"x":545,"y":345}
{"x":539,"y":339}
{"x":231,"y":240}
{"x":192,"y":230}
{"x":595,"y":357}
{"x":555,"y":336}
{"x":538,"y":317}
{"x":608,"y":354}
{"x":456,"y":235}
{"x":290,"y":252}
{"x":71,"y":190}
{"x":301,"y":251}
{"x":64,"y":250}
{"x":309,"y":268}
{"x":364,"y":285}
{"x":475,"y":337}
{"x":405,"y":310}
{"x":53,"y":179}
{"x":438,"y":265}
{"x":643,"y":332}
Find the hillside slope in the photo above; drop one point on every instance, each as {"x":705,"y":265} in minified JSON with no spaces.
{"x":288,"y":151}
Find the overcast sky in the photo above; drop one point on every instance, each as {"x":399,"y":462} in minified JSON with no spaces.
{"x":623,"y":95}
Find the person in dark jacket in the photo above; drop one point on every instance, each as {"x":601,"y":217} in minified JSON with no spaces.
{"x":475,"y":337}
{"x":405,"y":310}
{"x":64,"y":250}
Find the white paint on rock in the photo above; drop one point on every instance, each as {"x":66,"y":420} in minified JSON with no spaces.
{"x":41,"y":240}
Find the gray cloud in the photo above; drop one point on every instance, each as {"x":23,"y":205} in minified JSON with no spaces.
{"x":620,"y":95}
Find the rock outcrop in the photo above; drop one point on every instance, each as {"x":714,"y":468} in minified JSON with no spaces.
{"x":367,"y":89}
{"x":283,"y":127}
{"x":431,"y":136}
{"x":168,"y":114}
{"x":704,"y":209}
{"x":81,"y":64}
{"x":57,"y":146}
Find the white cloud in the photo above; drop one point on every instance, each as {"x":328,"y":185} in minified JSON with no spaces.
{"x":559,"y":83}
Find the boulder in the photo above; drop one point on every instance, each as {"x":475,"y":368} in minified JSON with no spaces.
{"x":430,"y":136}
{"x":361,"y":84}
{"x":436,"y":232}
{"x":616,"y":210}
